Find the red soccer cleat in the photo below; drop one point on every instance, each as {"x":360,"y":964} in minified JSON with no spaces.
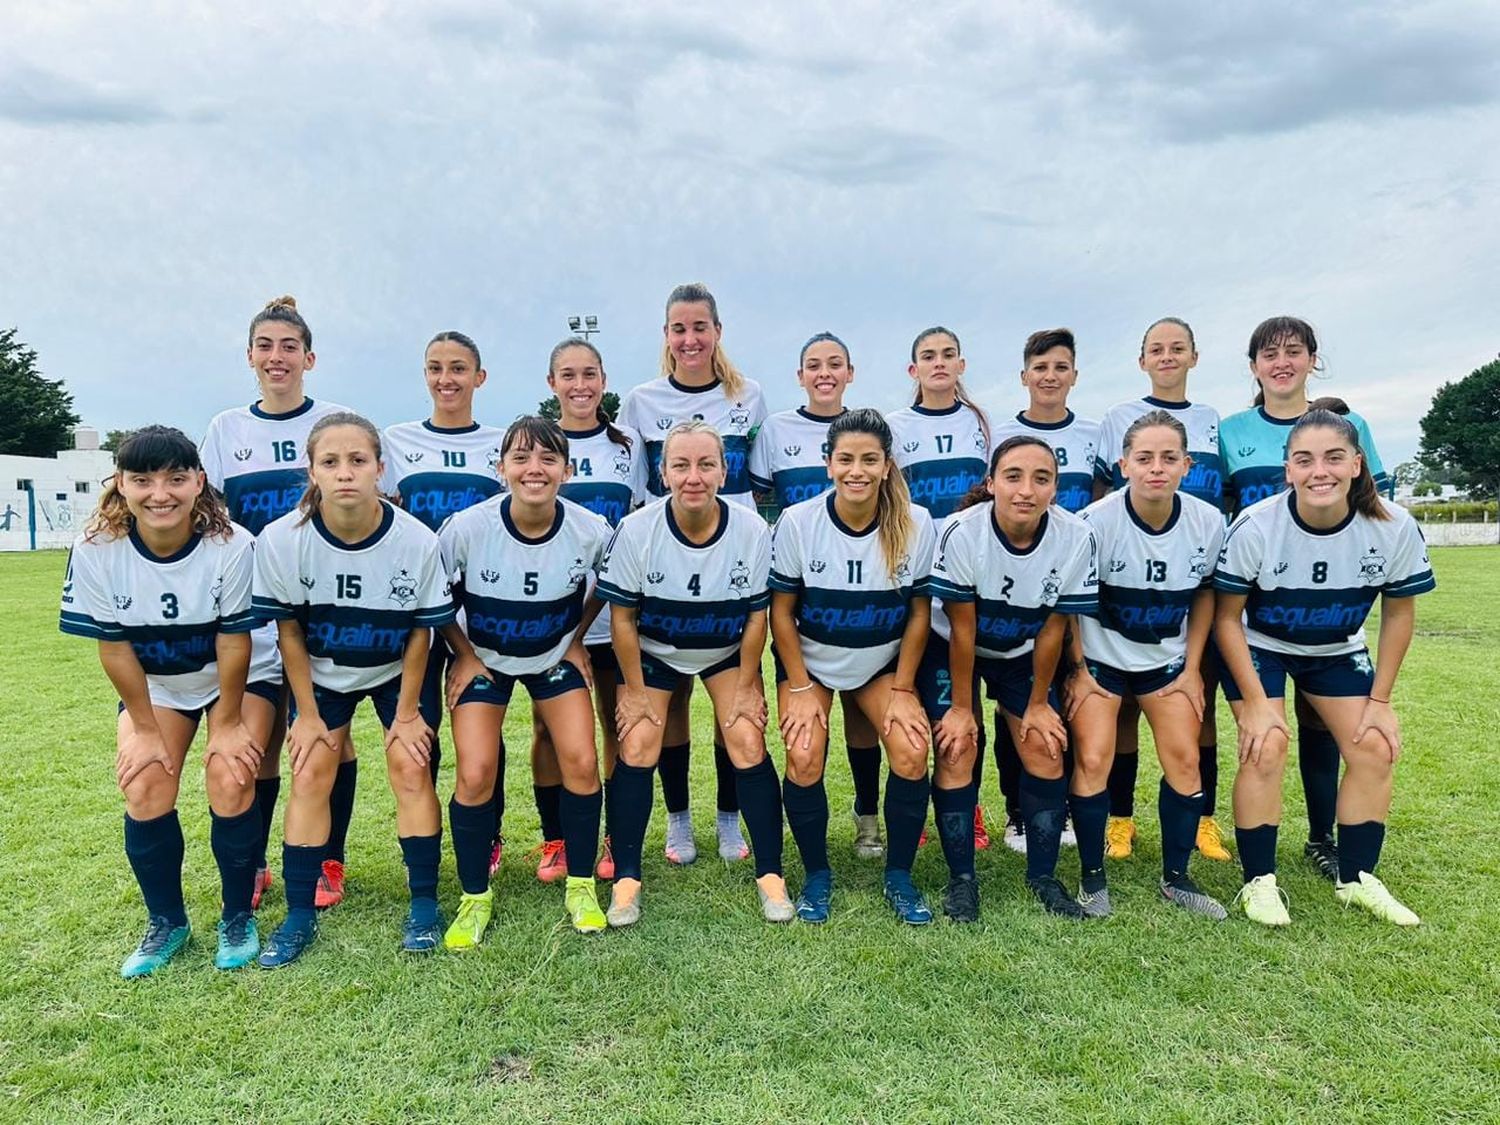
{"x":330,"y":890}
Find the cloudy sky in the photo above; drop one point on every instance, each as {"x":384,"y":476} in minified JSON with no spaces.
{"x":868,"y":169}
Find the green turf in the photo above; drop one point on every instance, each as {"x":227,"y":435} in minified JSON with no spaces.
{"x":704,"y":1013}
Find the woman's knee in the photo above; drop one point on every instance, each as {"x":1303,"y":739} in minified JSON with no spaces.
{"x":151,"y":793}
{"x":474,"y":781}
{"x":804,"y":764}
{"x":744,"y":743}
{"x":226,"y":796}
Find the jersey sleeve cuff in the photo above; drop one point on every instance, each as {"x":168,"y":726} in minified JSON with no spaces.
{"x":761,"y":484}
{"x":81,"y":625}
{"x":246,"y":622}
{"x":938,"y":588}
{"x":437,"y":616}
{"x":269,"y":609}
{"x":760,"y":601}
{"x":782,"y":584}
{"x":1080,"y":605}
{"x":1230,"y":583}
{"x":1410,"y":587}
{"x":616,"y":596}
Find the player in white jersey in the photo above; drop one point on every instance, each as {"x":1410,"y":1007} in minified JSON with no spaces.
{"x":943,"y":437}
{"x":445,"y":464}
{"x":1012,"y":569}
{"x":255,"y":455}
{"x":1049,"y":372}
{"x":1157,"y":548}
{"x":789,"y":461}
{"x":1298,"y":576}
{"x":698,"y":382}
{"x":1168,"y":353}
{"x":161,"y":579}
{"x":1283,"y":354}
{"x":522,"y":566}
{"x":686,"y":581}
{"x":849,"y":612}
{"x":609,"y":479}
{"x":354,"y":585}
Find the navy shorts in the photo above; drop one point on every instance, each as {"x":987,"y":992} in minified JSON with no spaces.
{"x":602,"y":657}
{"x":557,"y":680}
{"x":1119,"y":682}
{"x":269,"y":690}
{"x":1348,"y":674}
{"x":934,"y":680}
{"x":888,"y":670}
{"x":663,"y":677}
{"x":336,"y":708}
{"x":1009,"y":680}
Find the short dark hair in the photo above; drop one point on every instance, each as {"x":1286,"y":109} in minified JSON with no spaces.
{"x":1040,"y":343}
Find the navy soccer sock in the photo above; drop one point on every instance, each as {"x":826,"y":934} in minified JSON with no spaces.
{"x":1257,"y":848}
{"x":235,"y":841}
{"x":300,"y":867}
{"x":728,"y":795}
{"x":498,"y":799}
{"x":807,"y":817}
{"x":1009,"y":764}
{"x":1043,"y":809}
{"x":673,"y":768}
{"x":1359,"y":849}
{"x":864,"y":768}
{"x":267,"y":789}
{"x":759,"y":801}
{"x":1208,"y":772}
{"x":609,"y":806}
{"x":1179,"y":814}
{"x":954,"y":810}
{"x":633,"y":800}
{"x":473,"y":831}
{"x":154,"y":848}
{"x":579,"y":814}
{"x":1122,"y":775}
{"x":435,"y":759}
{"x":1090,"y":816}
{"x":1318,"y":762}
{"x":341,"y":808}
{"x":422,"y":855}
{"x":905,"y":815}
{"x":548,"y":802}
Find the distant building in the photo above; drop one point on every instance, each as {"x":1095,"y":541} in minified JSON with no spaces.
{"x":1405,"y":495}
{"x":44,"y":501}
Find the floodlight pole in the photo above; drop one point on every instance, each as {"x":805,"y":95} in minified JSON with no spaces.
{"x":584,"y":326}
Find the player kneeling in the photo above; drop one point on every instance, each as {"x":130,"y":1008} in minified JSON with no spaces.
{"x":1304,"y":568}
{"x":162,"y":580}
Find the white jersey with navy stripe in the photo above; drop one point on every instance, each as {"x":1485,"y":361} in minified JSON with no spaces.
{"x":258,"y":460}
{"x":169,"y":610}
{"x":1148,"y":579}
{"x":437,"y":470}
{"x":1074,"y":440}
{"x":1014,"y":590}
{"x":788,"y":457}
{"x":653,"y":408}
{"x":521,"y":599}
{"x":851,"y":610}
{"x":693,"y":600}
{"x":1308,"y":592}
{"x":1205,"y":477}
{"x":942,"y":453}
{"x":356,"y":602}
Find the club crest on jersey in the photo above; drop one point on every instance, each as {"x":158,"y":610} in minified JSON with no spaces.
{"x":656,"y":578}
{"x":1213,"y":435}
{"x":903,"y":568}
{"x":243,"y":454}
{"x":577,"y":571}
{"x":490,"y":576}
{"x":1199,"y":566}
{"x":1363,"y":663}
{"x":791,"y":450}
{"x":1372,"y":566}
{"x":123,"y":601}
{"x":979,"y":441}
{"x":403,"y":588}
{"x":665,"y":424}
{"x":910,"y":446}
{"x":1051,"y":585}
{"x":307,"y":583}
{"x":817,"y":566}
{"x":1116,"y":566}
{"x":414,"y":456}
{"x":739,"y":417}
{"x":622,"y":464}
{"x":1088,"y":452}
{"x":739,"y":575}
{"x":492,"y":458}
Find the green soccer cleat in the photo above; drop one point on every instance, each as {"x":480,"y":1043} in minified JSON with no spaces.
{"x":1264,"y":902}
{"x":1369,"y":893}
{"x":473,"y":919}
{"x":583,"y":905}
{"x":239,"y":942}
{"x":162,"y":942}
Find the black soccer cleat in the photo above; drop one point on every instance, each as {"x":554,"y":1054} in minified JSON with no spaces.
{"x":1054,"y":898}
{"x":1324,"y":855}
{"x":961,"y":899}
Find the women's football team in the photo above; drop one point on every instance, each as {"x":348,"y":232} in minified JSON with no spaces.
{"x":1082,"y":573}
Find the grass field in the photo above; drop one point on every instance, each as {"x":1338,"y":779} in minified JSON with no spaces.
{"x":703,"y":1012}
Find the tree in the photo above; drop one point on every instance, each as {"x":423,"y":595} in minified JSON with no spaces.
{"x":550,"y":408}
{"x":1461,"y":429}
{"x":1408,"y":473}
{"x":36,"y":414}
{"x":112,"y":440}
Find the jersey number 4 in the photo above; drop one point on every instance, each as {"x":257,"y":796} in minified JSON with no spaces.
{"x":695,"y":586}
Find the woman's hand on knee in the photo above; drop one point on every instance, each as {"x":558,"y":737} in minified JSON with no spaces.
{"x":1262,"y":729}
{"x":139,"y":750}
{"x":236,"y":748}
{"x":1380,"y":718}
{"x":412,"y":735}
{"x":1043,"y":722}
{"x":803,"y":717}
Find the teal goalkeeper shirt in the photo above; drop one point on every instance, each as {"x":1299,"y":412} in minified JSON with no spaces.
{"x":1253,"y":446}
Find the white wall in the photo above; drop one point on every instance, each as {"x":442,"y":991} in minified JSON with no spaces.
{"x":1441,"y":533}
{"x":61,"y":510}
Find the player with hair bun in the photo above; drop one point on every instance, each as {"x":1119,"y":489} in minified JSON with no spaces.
{"x":161,"y":578}
{"x":256,"y":457}
{"x":1299,"y":574}
{"x":354,"y":585}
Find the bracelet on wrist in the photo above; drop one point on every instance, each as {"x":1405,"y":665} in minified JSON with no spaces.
{"x":800,"y":690}
{"x":1374,"y":699}
{"x":909,"y":691}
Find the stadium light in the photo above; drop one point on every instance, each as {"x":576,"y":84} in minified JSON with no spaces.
{"x":584,"y":326}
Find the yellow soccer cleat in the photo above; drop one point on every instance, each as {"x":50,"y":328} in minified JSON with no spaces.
{"x":1264,"y":902}
{"x":467,"y":930}
{"x":1119,"y":837}
{"x":583,"y":905}
{"x":1211,"y":841}
{"x":1369,"y":893}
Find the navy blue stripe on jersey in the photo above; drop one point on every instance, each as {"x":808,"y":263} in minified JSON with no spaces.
{"x":1085,"y":604}
{"x":1230,"y":583}
{"x":1075,"y":491}
{"x":246,"y":622}
{"x":784,"y":583}
{"x":1416,"y":584}
{"x":171,"y":650}
{"x":1309,"y":617}
{"x":947,"y":591}
{"x":433,"y":497}
{"x":269,"y":609}
{"x":1204,"y":480}
{"x":522,"y":628}
{"x":1000,"y":626}
{"x":692,"y":625}
{"x":736,"y":464}
{"x":609,"y":499}
{"x":938,"y":486}
{"x":1145,"y":616}
{"x":82,"y":625}
{"x":355,"y":636}
{"x":792,"y":486}
{"x":852,"y":618}
{"x":609,"y":592}
{"x":255,"y":499}
{"x":1256,"y":482}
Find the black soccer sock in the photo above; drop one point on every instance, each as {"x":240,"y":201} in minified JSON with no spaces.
{"x":954,"y":810}
{"x":473,"y":830}
{"x":422,"y":855}
{"x":807,"y":817}
{"x":1208,"y":772}
{"x":1122,"y":775}
{"x":759,"y":800}
{"x":609,"y":807}
{"x":1008,"y":762}
{"x":1359,"y":849}
{"x":435,"y":759}
{"x":341,"y":808}
{"x":300,"y":867}
{"x":1043,"y":810}
{"x":1179,"y":814}
{"x":905,"y":816}
{"x":579,"y":814}
{"x":864,"y":768}
{"x":498,"y":798}
{"x":673,"y":768}
{"x":633,"y":800}
{"x":267,"y":789}
{"x":235,"y":841}
{"x":548,"y":800}
{"x":728,"y":796}
{"x":1318,"y":761}
{"x":978,"y":777}
{"x":1257,"y":848}
{"x":154,"y":848}
{"x":1090,"y":816}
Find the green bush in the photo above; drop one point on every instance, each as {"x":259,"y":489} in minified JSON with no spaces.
{"x":1456,"y":511}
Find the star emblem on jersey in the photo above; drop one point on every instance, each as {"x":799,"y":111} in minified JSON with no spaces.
{"x":739,"y":417}
{"x":792,"y":450}
{"x":1051,"y":585}
{"x":403,"y":588}
{"x":307,"y":583}
{"x":1362,"y":662}
{"x":243,"y":454}
{"x":739,"y":575}
{"x":123,"y":601}
{"x":656,"y":578}
{"x":577,"y":571}
{"x":414,"y":456}
{"x":490,"y":576}
{"x":1199,"y":566}
{"x":979,"y":441}
{"x":1372,"y":566}
{"x":622,"y":464}
{"x":817,"y":566}
{"x":910,"y":446}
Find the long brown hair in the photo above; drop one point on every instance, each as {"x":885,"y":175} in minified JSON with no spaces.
{"x":314,"y":495}
{"x":959,"y":392}
{"x":893,"y":504}
{"x":611,"y":431}
{"x":150,"y":450}
{"x":1323,"y":414}
{"x":980,"y":493}
{"x":696,"y":293}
